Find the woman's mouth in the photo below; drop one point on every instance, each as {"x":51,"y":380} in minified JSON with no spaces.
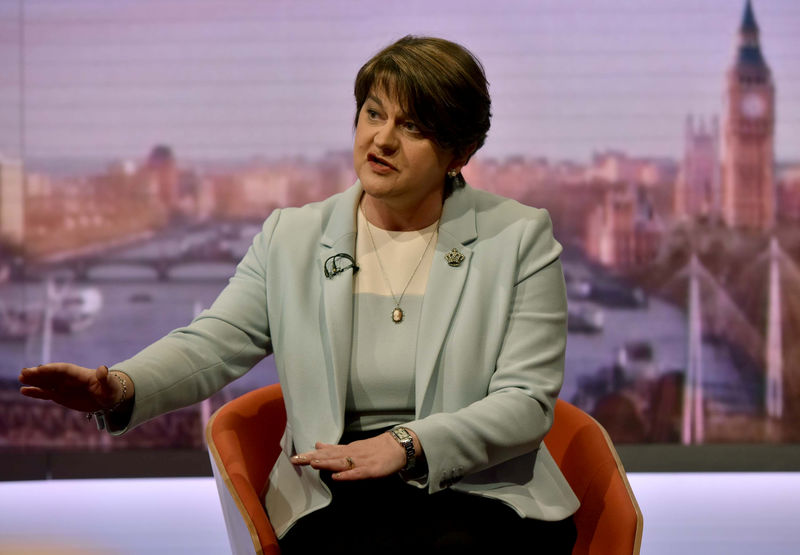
{"x":379,"y":165}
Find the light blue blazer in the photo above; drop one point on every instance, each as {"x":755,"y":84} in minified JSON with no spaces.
{"x":489,"y":360}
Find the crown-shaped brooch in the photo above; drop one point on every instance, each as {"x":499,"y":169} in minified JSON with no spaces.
{"x":454,"y":258}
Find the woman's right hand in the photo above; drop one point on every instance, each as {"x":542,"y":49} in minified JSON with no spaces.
{"x":74,"y":386}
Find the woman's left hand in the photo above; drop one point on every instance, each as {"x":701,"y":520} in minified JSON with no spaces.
{"x":375,"y":457}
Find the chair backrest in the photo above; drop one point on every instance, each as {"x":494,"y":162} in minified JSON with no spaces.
{"x":609,"y":520}
{"x":243,"y":439}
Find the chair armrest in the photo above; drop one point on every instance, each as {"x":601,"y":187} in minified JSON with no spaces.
{"x":244,"y":441}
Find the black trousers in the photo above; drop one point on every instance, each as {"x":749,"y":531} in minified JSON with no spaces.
{"x":388,"y":516}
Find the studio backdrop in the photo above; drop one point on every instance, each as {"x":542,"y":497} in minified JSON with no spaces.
{"x":143,"y":142}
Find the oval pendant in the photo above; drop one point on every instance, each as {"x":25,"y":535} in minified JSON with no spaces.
{"x":397,"y":315}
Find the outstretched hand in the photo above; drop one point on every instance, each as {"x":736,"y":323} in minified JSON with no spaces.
{"x":375,"y":457}
{"x":72,"y":386}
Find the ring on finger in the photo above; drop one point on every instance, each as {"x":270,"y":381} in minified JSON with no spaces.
{"x":350,"y":464}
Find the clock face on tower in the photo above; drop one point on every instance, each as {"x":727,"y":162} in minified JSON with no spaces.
{"x":753,"y":105}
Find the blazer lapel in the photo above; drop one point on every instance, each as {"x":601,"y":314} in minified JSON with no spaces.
{"x":445,"y":284}
{"x":337,"y":292}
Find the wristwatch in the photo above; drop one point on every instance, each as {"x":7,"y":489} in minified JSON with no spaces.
{"x":405,"y":439}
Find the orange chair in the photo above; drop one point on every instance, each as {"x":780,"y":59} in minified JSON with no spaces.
{"x":243,"y":439}
{"x":609,"y":521}
{"x":243,"y":442}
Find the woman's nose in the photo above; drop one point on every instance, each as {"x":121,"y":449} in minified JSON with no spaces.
{"x":386,"y":138}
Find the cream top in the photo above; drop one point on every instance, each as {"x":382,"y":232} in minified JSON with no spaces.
{"x":380,"y":389}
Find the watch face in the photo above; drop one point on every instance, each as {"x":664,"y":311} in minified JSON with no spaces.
{"x":753,"y":105}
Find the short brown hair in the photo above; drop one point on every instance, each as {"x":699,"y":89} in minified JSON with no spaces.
{"x":440,"y":84}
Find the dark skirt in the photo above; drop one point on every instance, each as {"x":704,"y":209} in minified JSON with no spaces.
{"x":388,"y":516}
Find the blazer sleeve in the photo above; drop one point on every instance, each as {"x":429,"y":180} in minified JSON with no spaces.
{"x":517,"y":411}
{"x":218,"y":346}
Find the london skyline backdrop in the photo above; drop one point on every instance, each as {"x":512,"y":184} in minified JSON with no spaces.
{"x":240,"y":79}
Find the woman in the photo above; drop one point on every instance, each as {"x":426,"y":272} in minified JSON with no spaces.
{"x":418,"y":328}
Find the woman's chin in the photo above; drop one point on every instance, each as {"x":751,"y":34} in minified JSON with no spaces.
{"x":377,"y":186}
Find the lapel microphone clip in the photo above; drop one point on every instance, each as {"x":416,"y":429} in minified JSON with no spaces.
{"x":332,"y":269}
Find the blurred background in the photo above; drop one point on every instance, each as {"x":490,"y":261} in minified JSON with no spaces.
{"x":143,"y":142}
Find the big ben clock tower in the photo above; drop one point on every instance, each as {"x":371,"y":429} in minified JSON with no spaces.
{"x":748,"y":190}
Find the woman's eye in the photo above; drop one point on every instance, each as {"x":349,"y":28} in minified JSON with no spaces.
{"x":372,"y":114}
{"x":411,"y":127}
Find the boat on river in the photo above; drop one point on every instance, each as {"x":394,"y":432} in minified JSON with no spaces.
{"x":19,"y":324}
{"x":77,"y":310}
{"x":584,"y":318}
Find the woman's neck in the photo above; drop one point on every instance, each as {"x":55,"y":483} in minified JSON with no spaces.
{"x":393,"y":217}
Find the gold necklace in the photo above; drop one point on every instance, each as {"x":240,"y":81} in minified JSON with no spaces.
{"x":397,"y":313}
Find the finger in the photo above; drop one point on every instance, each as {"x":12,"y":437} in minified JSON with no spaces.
{"x":102,"y":375}
{"x":53,"y":367}
{"x":336,"y":464}
{"x":351,"y":475}
{"x":48,"y":374}
{"x":309,"y":456}
{"x":357,"y":471}
{"x":35,"y":377}
{"x":37,"y":393}
{"x":324,"y":451}
{"x":31,"y":373}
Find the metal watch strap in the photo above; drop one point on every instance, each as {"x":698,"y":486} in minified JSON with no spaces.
{"x":405,"y":439}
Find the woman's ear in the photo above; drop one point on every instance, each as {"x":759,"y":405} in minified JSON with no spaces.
{"x":461,"y":157}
